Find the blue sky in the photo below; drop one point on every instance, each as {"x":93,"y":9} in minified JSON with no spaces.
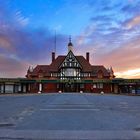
{"x":108,"y":29}
{"x":68,"y":17}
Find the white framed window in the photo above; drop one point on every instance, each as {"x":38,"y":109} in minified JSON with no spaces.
{"x":70,"y":72}
{"x":9,"y":88}
{"x":100,"y":85}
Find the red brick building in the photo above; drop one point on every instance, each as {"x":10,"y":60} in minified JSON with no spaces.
{"x":70,"y":73}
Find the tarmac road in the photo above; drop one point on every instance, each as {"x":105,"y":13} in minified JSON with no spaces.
{"x":69,"y":116}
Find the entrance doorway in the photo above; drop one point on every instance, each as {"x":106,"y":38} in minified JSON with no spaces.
{"x":70,"y":87}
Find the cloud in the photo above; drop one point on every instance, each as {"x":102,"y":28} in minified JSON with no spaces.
{"x":123,"y":59}
{"x":101,"y":18}
{"x":133,"y":22}
{"x":111,"y":37}
{"x":131,"y":7}
{"x":21,"y":46}
{"x":11,"y":67}
{"x":135,"y":73}
{"x":119,"y":48}
{"x":102,"y":5}
{"x":5,"y":42}
{"x":23,"y":21}
{"x":84,"y":36}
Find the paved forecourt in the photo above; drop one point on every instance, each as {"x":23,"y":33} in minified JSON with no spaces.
{"x":69,"y":116}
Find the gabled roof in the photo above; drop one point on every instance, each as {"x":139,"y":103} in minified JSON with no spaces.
{"x":41,"y":69}
{"x":59,"y":60}
{"x":56,"y":63}
{"x":84,"y":63}
{"x":69,"y":56}
{"x":97,"y":68}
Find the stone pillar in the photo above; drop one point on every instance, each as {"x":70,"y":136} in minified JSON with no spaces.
{"x":40,"y":88}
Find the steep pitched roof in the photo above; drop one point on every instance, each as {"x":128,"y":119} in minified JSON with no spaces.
{"x":97,"y":68}
{"x":59,"y":60}
{"x":70,"y":57}
{"x":56,"y":63}
{"x":54,"y":66}
{"x":41,"y":69}
{"x":84,"y":63}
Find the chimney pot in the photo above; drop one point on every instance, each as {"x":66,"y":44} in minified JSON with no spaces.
{"x":87,"y":56}
{"x":53,"y":56}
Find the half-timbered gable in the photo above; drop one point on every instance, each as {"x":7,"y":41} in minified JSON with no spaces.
{"x":70,"y":72}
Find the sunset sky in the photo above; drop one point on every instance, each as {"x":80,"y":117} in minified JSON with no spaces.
{"x":108,"y":29}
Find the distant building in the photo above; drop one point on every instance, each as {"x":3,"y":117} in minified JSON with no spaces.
{"x":70,"y":73}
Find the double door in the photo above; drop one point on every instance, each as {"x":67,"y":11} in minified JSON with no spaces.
{"x":70,"y":87}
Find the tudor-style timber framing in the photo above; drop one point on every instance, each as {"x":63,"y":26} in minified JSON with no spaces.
{"x":69,"y":73}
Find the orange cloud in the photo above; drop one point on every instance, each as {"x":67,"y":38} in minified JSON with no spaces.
{"x":5,"y":42}
{"x":135,"y":73}
{"x":125,"y":59}
{"x":11,"y":67}
{"x":133,"y":22}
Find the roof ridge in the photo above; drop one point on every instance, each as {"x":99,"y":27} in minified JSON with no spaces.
{"x":97,"y":65}
{"x":62,"y":55}
{"x":43,"y":65}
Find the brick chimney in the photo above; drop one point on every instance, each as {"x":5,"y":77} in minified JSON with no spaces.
{"x":87,"y":56}
{"x":53,"y":56}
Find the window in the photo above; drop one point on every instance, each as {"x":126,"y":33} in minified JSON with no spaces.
{"x":86,"y":74}
{"x":100,"y":85}
{"x":94,"y":86}
{"x":54,"y":74}
{"x":70,"y":72}
{"x":9,"y":88}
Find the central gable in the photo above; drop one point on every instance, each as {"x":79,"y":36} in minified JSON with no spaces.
{"x":70,"y":61}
